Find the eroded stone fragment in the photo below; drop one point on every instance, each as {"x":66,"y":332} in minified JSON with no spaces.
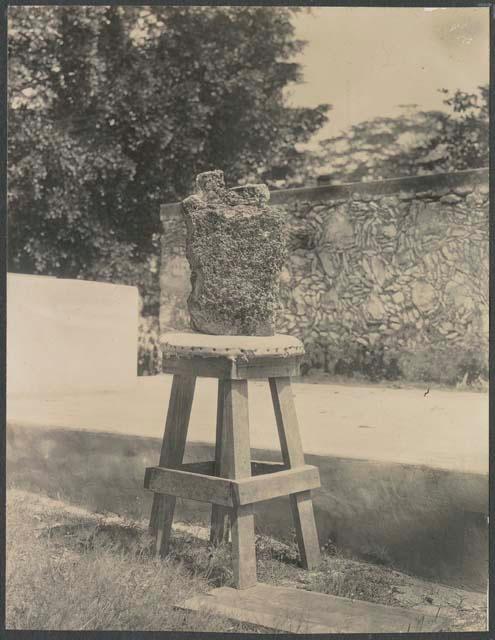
{"x":236,"y":247}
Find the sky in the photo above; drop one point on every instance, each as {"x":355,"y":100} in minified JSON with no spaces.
{"x":367,"y":61}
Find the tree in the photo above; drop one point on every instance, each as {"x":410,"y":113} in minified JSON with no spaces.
{"x":67,"y":178}
{"x":414,"y":143}
{"x":114,"y":110}
{"x":467,"y":135}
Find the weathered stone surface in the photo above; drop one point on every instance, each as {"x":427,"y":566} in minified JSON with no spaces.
{"x":451,"y":198}
{"x":236,"y":247}
{"x":460,"y":296}
{"x":424,"y":296}
{"x":463,"y":190}
{"x":398,"y":297}
{"x":379,"y":270}
{"x":374,"y":308}
{"x":389,"y":231}
{"x":328,"y":262}
{"x":338,"y":231}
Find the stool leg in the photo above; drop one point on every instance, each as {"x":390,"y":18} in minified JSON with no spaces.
{"x":293,"y":456}
{"x":219,"y":531}
{"x":172,"y":453}
{"x":235,"y":464}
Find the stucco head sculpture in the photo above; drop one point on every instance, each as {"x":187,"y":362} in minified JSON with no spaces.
{"x":236,"y":247}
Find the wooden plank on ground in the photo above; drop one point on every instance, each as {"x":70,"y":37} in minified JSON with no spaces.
{"x":299,"y":611}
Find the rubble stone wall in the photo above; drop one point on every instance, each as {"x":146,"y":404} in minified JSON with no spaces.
{"x":386,"y":279}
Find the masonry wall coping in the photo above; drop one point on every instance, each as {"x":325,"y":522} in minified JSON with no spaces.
{"x":389,"y":186}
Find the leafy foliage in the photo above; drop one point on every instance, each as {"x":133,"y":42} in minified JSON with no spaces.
{"x":414,"y":143}
{"x":114,"y":110}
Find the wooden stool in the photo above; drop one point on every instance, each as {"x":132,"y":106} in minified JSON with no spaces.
{"x":232,"y":482}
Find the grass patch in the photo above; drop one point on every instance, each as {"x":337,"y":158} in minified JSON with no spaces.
{"x":68,"y":568}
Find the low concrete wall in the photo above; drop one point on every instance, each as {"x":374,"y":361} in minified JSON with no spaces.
{"x":69,"y":334}
{"x":429,"y":522}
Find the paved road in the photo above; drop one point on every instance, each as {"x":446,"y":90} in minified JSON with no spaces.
{"x":445,"y":429}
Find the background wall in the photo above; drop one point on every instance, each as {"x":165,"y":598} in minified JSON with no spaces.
{"x":69,"y":334}
{"x":385,"y":279}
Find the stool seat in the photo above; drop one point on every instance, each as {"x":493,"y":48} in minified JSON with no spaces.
{"x":234,"y":357}
{"x":186,"y":344}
